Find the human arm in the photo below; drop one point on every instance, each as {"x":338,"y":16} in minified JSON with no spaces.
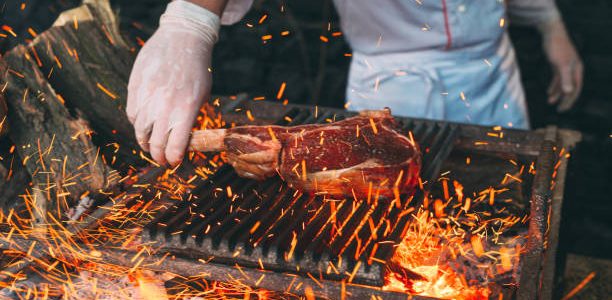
{"x":171,"y":78}
{"x":566,"y":84}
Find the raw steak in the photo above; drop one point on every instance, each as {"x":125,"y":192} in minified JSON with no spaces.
{"x":363,"y":156}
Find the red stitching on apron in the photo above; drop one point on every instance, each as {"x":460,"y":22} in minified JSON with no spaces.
{"x":449,"y":37}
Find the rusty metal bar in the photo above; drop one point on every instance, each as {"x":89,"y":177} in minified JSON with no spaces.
{"x":550,"y":275}
{"x":531,"y":260}
{"x":274,"y":281}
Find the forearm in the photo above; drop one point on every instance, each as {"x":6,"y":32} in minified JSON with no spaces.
{"x":535,"y":13}
{"x":552,"y":28}
{"x":215,"y":6}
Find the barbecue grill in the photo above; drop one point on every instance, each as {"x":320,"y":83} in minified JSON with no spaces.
{"x":281,"y":229}
{"x":259,"y":227}
{"x":271,"y":236}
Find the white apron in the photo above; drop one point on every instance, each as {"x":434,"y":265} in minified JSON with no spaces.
{"x":435,"y":59}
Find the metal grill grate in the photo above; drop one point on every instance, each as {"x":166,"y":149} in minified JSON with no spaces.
{"x":267,"y":223}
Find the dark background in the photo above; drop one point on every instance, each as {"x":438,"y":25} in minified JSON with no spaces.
{"x":315,"y":72}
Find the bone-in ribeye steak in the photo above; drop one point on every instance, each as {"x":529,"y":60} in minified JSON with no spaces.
{"x":360,"y":156}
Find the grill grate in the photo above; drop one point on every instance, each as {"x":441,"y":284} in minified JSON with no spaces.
{"x":268,"y":224}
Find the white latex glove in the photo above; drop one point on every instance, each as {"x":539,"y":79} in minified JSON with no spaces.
{"x":567,"y":66}
{"x":171,"y":79}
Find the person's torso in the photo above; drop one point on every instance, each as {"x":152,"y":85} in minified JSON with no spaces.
{"x":403,"y":26}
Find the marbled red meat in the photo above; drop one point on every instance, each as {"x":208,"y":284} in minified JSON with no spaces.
{"x":361,"y":156}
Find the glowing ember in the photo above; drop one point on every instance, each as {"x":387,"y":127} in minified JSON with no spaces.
{"x":458,"y":249}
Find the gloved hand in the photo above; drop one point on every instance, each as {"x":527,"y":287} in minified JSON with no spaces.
{"x":171,"y":79}
{"x":567,"y":66}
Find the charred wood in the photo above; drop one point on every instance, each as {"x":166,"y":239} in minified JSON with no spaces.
{"x":55,"y":147}
{"x":88,"y":63}
{"x":14,"y":179}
